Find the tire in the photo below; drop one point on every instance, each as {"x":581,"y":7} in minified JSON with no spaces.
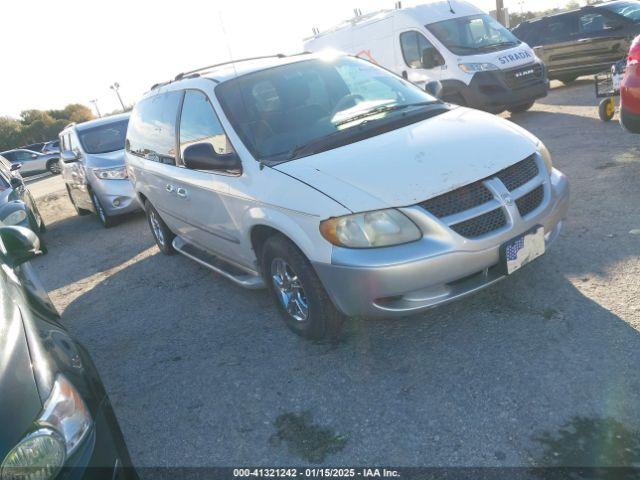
{"x":79,"y":211}
{"x":521,"y":108}
{"x":161,"y":233}
{"x":106,"y":220}
{"x":292,"y":281}
{"x":607,"y":109}
{"x":569,"y":79}
{"x":54,"y":167}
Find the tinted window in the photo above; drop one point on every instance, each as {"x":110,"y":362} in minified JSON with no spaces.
{"x":630,"y":10}
{"x":560,"y":28}
{"x":104,"y":138}
{"x":199,"y":124}
{"x":9,"y":156}
{"x":23,"y":156}
{"x":152,"y":128}
{"x":414,"y":46}
{"x":595,"y":23}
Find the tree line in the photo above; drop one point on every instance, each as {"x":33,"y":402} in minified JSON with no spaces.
{"x":34,"y":126}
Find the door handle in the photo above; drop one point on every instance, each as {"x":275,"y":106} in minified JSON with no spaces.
{"x":169,"y":188}
{"x":181,"y":192}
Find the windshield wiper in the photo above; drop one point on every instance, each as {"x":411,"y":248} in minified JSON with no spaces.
{"x":383,"y":109}
{"x":496,"y":46}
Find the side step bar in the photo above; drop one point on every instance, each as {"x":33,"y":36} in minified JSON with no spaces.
{"x":239,"y":276}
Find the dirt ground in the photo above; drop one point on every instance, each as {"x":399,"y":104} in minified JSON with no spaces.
{"x":541,"y":369}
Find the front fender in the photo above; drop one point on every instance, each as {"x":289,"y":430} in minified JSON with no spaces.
{"x":302,"y":229}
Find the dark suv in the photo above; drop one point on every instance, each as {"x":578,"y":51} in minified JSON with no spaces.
{"x":583,"y":41}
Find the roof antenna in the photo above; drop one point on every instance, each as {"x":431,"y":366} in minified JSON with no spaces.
{"x":450,"y":7}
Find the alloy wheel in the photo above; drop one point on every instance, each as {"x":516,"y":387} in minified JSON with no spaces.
{"x":289,"y":290}
{"x":156,"y":227}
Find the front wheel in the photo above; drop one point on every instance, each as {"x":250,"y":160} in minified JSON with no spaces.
{"x":521,"y":108}
{"x":79,"y":211}
{"x":105,"y":219}
{"x":161,"y":233}
{"x":607,"y":109}
{"x":54,"y":167}
{"x":298,"y":292}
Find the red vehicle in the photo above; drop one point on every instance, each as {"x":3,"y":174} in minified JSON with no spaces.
{"x":630,"y":90}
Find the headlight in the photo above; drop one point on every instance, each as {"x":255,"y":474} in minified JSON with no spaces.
{"x":63,"y":424}
{"x":15,"y":218}
{"x":39,"y":456}
{"x":477,"y":67}
{"x":115,"y":173}
{"x":372,"y":229}
{"x":546,"y":155}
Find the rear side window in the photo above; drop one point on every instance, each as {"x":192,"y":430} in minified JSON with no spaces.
{"x":152,"y":128}
{"x":199,"y":124}
{"x":560,"y":28}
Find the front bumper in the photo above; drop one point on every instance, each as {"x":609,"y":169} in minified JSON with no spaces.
{"x":491,"y":91}
{"x":116,"y":196}
{"x":440,"y":268}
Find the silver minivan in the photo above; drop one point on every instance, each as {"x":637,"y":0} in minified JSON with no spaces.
{"x":343,"y":188}
{"x":93,"y":168}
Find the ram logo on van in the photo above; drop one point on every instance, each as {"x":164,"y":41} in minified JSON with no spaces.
{"x":513,"y":57}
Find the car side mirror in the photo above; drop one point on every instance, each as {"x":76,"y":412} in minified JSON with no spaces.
{"x":434,"y":88}
{"x":20,"y":245}
{"x":15,"y":167}
{"x":69,"y":156}
{"x":34,"y":155}
{"x":16,"y":182}
{"x":202,"y":156}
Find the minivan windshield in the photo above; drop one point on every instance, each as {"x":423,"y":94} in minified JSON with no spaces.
{"x":630,"y":10}
{"x":104,"y":138}
{"x":286,"y":112}
{"x":473,"y":35}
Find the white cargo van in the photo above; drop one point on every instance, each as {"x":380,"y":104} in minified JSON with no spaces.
{"x":479,"y":62}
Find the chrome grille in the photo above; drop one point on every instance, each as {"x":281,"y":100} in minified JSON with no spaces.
{"x":478,"y":226}
{"x":518,"y":174}
{"x":459,"y":200}
{"x":530,"y":201}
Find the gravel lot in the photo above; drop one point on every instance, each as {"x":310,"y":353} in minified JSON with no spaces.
{"x":541,"y":369}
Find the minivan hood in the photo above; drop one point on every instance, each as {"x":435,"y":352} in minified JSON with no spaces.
{"x":109,"y":159}
{"x":417,"y":162}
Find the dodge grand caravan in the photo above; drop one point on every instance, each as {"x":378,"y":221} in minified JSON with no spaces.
{"x":343,"y":188}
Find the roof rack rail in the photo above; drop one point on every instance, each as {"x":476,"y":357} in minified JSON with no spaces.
{"x":182,"y":75}
{"x":195,"y":73}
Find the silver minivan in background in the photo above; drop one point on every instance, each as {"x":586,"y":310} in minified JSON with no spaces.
{"x":93,"y":169}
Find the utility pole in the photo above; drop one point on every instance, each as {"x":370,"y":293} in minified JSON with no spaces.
{"x":500,"y":11}
{"x":116,"y":87}
{"x":95,"y":105}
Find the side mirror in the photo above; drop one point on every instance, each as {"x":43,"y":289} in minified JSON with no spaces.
{"x":69,"y":156}
{"x":202,"y":156}
{"x":34,"y":155}
{"x":434,"y":88}
{"x":15,"y":167}
{"x":16,"y":182}
{"x":20,"y":245}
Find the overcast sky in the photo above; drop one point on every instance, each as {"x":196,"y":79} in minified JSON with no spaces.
{"x":68,"y":51}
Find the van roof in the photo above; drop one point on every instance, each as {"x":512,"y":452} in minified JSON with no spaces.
{"x":99,"y":121}
{"x":429,"y":12}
